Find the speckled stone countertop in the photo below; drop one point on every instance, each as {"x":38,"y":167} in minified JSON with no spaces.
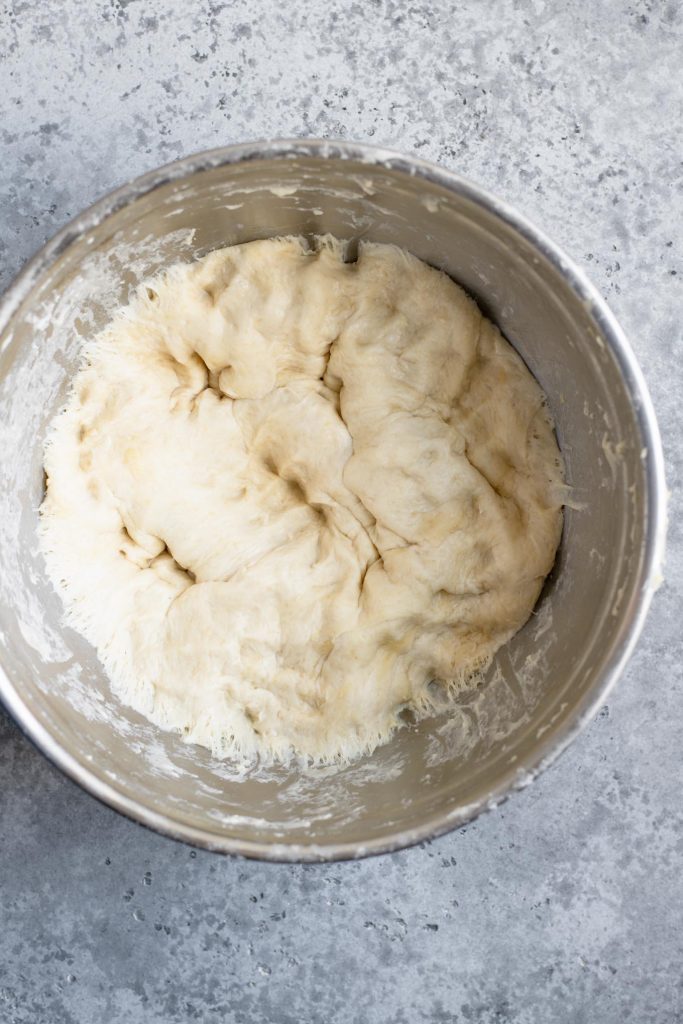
{"x":564,"y":905}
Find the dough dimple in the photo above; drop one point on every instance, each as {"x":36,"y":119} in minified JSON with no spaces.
{"x":287,"y":493}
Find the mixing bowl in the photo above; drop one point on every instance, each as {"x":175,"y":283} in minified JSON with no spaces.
{"x":543,"y":686}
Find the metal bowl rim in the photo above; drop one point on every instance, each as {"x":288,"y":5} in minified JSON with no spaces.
{"x":650,"y":571}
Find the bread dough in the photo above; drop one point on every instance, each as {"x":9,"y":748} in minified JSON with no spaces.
{"x":291,"y":496}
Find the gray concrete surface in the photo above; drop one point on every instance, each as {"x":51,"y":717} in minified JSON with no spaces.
{"x":565,"y":905}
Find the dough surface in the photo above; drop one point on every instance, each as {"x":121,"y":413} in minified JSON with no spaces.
{"x":290,"y":497}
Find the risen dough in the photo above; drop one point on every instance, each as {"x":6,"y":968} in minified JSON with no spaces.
{"x":288,"y":493}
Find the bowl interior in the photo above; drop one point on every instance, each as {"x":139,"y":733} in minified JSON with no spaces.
{"x":541,"y":685}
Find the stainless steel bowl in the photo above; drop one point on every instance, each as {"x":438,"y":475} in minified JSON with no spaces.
{"x":544,"y":686}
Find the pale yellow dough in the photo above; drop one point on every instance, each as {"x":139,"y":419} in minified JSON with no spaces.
{"x":288,"y":493}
